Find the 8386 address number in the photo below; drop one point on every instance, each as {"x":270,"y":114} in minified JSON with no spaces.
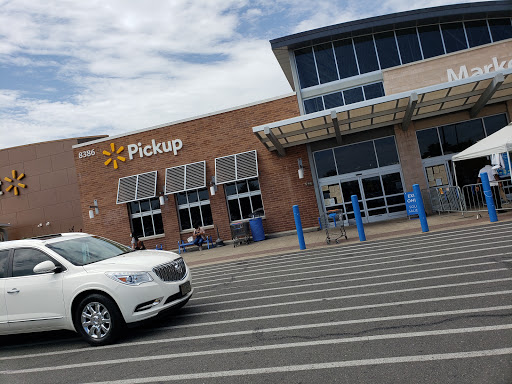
{"x":88,"y":153}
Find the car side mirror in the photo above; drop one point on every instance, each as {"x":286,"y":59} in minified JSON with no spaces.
{"x":47,"y":267}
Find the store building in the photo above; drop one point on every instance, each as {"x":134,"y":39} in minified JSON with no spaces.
{"x":380,"y":104}
{"x":39,"y":190}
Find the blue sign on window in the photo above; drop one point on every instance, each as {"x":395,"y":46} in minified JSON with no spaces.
{"x":411,"y":203}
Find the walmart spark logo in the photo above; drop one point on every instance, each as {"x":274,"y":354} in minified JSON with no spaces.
{"x":13,"y":181}
{"x":113,"y":153}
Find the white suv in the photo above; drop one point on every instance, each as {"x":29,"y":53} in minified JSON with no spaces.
{"x":86,"y":283}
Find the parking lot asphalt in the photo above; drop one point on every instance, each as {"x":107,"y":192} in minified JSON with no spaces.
{"x":316,"y":238}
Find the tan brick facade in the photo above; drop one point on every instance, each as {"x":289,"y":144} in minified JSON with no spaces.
{"x":435,"y":70}
{"x":51,"y":195}
{"x":203,"y":138}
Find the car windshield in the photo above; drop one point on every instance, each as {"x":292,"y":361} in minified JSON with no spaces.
{"x":87,"y":250}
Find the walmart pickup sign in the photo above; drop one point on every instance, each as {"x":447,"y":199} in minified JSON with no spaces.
{"x":411,"y":203}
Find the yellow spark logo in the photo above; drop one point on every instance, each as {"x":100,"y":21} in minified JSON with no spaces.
{"x":13,"y":181}
{"x":113,"y":152}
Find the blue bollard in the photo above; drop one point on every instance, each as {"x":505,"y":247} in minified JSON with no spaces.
{"x":493,"y":217}
{"x":421,"y":208}
{"x":298,"y":225}
{"x":359,"y":221}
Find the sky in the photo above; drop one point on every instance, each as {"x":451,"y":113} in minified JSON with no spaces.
{"x":82,"y":68}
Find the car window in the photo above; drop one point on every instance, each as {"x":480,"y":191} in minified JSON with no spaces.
{"x":25,"y":259}
{"x":87,"y":250}
{"x":4,"y":254}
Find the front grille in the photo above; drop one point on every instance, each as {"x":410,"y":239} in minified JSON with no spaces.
{"x":173,"y":271}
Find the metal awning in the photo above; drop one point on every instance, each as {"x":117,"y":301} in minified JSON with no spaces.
{"x":473,"y":93}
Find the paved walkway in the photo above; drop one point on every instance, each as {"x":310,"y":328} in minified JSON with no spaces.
{"x":374,"y":231}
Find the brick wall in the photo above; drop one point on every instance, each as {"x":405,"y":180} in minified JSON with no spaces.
{"x":204,"y":138}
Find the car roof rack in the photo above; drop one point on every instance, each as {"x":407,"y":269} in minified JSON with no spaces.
{"x":45,"y":237}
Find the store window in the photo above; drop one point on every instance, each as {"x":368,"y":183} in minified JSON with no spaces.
{"x":457,"y":137}
{"x":347,"y":96}
{"x":146,"y":217}
{"x":346,"y":58}
{"x":477,"y":32}
{"x":355,"y":157}
{"x":386,"y":151}
{"x":313,"y":105}
{"x":325,"y":165}
{"x":353,"y":95}
{"x":194,"y":208}
{"x":494,"y":123}
{"x":306,"y":67}
{"x":454,"y":37}
{"x":366,"y":55}
{"x":244,"y":199}
{"x":454,"y":138}
{"x":501,"y":29}
{"x":387,"y":49}
{"x":431,"y":42}
{"x":428,"y":140}
{"x":372,"y":91}
{"x":325,"y":63}
{"x":333,"y":100}
{"x":409,"y":45}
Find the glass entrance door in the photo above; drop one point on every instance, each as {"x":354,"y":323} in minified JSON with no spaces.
{"x":380,"y":196}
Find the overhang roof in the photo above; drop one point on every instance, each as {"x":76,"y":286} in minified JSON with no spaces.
{"x":471,"y":94}
{"x":418,"y":17}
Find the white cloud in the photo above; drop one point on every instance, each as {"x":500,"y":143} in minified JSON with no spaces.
{"x":127,"y":62}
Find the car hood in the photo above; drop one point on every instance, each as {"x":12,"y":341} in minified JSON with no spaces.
{"x":134,"y":261}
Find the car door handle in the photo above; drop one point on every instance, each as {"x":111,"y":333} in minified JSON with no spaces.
{"x":14,"y":290}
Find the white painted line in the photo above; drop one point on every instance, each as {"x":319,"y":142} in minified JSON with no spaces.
{"x":420,"y":239}
{"x":304,"y":344}
{"x":318,"y":270}
{"x":310,"y":292}
{"x":393,"y":252}
{"x":238,"y":292}
{"x":343,"y":309}
{"x":458,"y":312}
{"x":318,"y":366}
{"x":331,"y":253}
{"x":344,"y":297}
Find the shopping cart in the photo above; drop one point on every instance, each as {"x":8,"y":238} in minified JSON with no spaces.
{"x":332,"y":223}
{"x":240,"y":233}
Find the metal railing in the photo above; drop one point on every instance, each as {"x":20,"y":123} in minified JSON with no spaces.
{"x":447,"y":199}
{"x":469,"y":198}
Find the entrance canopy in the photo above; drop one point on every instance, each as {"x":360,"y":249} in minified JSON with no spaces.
{"x":472,"y":94}
{"x":498,"y":142}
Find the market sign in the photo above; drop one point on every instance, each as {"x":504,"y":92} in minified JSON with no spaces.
{"x":463,"y":73}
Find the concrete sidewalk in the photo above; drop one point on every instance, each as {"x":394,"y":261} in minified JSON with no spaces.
{"x":374,"y":231}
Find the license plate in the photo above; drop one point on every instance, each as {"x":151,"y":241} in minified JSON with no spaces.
{"x":185,"y":288}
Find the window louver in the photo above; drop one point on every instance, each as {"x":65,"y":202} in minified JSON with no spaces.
{"x":236,"y":167}
{"x":185,"y":177}
{"x":136,"y":187}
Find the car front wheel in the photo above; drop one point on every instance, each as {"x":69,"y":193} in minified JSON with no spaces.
{"x":98,"y":320}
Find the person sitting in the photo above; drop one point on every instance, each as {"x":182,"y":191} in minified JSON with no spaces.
{"x":140,"y":245}
{"x":199,"y":236}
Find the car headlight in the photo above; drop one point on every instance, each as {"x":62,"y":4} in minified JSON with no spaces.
{"x":130,"y":278}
